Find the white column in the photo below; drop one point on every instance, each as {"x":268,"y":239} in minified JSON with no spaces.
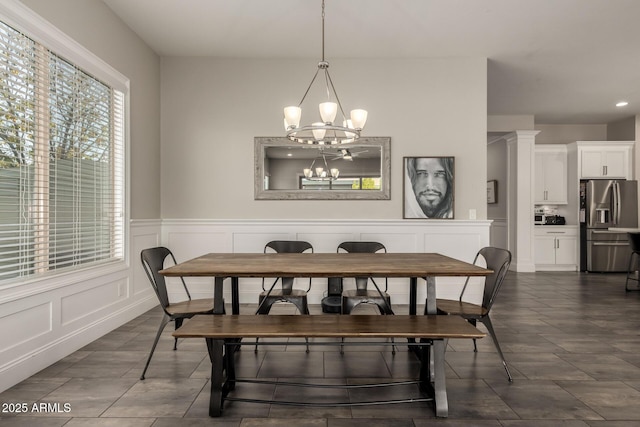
{"x":520,"y":176}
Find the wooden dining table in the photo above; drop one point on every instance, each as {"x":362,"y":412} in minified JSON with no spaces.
{"x":414,"y":266}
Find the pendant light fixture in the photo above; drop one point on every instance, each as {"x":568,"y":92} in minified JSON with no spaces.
{"x":320,"y":173}
{"x":325,"y":131}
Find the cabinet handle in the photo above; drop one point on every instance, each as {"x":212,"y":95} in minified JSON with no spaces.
{"x":557,"y":244}
{"x":604,"y":169}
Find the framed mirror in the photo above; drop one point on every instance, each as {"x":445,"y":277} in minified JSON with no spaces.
{"x":286,"y":170}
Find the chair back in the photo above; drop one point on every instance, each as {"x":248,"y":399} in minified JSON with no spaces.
{"x":362,"y":247}
{"x":634,"y":241}
{"x":498,"y":260}
{"x":288,"y":247}
{"x":153,"y":261}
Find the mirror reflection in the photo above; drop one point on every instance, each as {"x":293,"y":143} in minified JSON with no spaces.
{"x":286,"y":170}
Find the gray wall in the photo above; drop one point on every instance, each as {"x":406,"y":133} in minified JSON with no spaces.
{"x":213,"y":108}
{"x":497,"y":170}
{"x":92,"y":24}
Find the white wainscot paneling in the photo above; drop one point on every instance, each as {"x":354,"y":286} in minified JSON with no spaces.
{"x":459,"y":239}
{"x":21,"y":325}
{"x":46,"y":319}
{"x":75,"y":307}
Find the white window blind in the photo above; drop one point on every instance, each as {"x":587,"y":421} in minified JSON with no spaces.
{"x":61,"y":163}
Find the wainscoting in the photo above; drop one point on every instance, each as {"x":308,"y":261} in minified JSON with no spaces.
{"x":47,"y":319}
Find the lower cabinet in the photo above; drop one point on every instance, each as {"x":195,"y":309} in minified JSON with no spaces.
{"x":556,"y":248}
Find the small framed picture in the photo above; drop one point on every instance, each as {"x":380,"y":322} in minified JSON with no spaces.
{"x":492,"y":191}
{"x":428,"y":187}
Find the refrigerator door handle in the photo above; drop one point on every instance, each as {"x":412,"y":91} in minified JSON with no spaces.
{"x":610,"y":243}
{"x":618,"y":198}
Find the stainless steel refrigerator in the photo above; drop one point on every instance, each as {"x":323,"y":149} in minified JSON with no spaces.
{"x":606,"y":204}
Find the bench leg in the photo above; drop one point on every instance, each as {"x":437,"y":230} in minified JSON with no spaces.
{"x":439,"y":381}
{"x":216,"y":354}
{"x":432,"y":376}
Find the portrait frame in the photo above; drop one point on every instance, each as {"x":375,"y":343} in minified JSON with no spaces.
{"x":492,"y":191}
{"x":437,"y":199}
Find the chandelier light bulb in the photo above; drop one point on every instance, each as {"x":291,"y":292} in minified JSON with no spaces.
{"x":358,"y":118}
{"x":335,"y":172}
{"x":292,"y":117}
{"x":308,"y":173}
{"x":318,"y":131}
{"x":328,"y":111}
{"x":320,"y":171}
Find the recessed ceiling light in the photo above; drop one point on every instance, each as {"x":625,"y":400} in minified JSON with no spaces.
{"x":289,"y":154}
{"x":622,"y":104}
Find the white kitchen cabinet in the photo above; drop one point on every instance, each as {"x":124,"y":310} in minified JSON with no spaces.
{"x":601,"y":160}
{"x":556,"y":248}
{"x":550,"y":185}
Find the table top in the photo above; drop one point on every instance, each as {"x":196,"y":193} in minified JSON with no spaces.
{"x":325,"y":265}
{"x":329,"y":326}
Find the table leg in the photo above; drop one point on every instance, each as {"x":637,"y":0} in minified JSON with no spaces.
{"x":413,"y":298}
{"x":430,"y":308}
{"x":218,"y":301}
{"x":216,"y":354}
{"x":235,"y":296}
{"x":413,"y":295}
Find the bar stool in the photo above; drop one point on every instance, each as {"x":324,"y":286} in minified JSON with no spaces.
{"x":632,"y":269}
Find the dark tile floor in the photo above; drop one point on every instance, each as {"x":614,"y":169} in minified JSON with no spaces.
{"x":572,"y":341}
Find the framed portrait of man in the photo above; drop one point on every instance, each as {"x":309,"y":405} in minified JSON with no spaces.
{"x":428,"y":187}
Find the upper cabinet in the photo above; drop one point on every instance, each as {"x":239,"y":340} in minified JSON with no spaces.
{"x":602,"y":160}
{"x":550,"y":175}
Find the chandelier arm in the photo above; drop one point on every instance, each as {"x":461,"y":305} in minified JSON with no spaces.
{"x":309,"y":87}
{"x":344,"y":116}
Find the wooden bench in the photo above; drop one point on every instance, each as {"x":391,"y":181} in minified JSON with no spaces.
{"x":226,"y":331}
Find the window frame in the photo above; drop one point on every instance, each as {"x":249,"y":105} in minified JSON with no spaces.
{"x":23,"y":19}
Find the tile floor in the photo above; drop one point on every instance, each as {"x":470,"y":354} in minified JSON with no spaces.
{"x":572,"y":341}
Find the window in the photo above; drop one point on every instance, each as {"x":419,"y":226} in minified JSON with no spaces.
{"x":342,"y":183}
{"x":61,"y":163}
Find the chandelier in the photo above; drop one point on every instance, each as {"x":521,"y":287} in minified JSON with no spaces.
{"x":326,"y":131}
{"x":320,"y":173}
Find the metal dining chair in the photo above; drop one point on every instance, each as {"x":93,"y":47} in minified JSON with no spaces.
{"x":351,"y":298}
{"x":634,"y":257}
{"x":499,"y":261}
{"x":153,"y":260}
{"x":286,"y":293}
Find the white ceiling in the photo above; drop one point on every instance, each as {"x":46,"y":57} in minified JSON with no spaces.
{"x":564,"y":61}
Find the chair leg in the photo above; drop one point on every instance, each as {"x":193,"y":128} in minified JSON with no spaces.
{"x":178,"y":322}
{"x":487,"y":322}
{"x":384,"y":311}
{"x":165,"y":319}
{"x":303,"y":308}
{"x":264,"y":309}
{"x":626,"y":283}
{"x":475,"y":346}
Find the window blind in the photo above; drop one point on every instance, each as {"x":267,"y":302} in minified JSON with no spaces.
{"x":61,"y":163}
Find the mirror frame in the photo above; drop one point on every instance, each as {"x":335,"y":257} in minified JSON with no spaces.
{"x":262,"y":143}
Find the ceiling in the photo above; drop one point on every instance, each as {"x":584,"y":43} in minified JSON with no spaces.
{"x":563,"y":61}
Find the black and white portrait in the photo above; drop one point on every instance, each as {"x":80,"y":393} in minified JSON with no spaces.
{"x":428,"y":187}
